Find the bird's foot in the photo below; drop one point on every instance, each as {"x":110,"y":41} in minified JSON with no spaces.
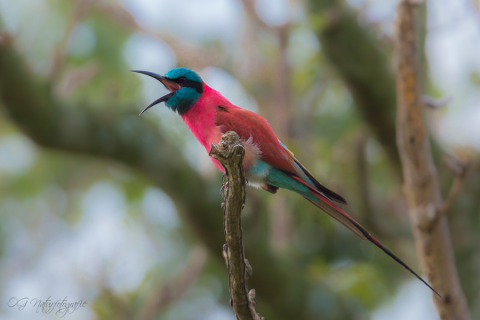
{"x":223,"y":188}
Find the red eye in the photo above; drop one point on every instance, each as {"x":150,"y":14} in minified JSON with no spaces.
{"x":182,"y":79}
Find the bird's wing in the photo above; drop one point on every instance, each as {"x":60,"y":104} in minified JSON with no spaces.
{"x":249,"y":125}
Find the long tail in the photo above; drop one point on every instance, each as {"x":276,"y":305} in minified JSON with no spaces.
{"x":337,"y":213}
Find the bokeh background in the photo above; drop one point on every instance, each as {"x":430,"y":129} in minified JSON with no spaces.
{"x":123,"y":211}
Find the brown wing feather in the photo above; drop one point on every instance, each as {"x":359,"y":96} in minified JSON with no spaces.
{"x":248,"y":125}
{"x":273,"y":152}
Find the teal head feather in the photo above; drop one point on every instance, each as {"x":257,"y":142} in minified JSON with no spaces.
{"x":192,"y":89}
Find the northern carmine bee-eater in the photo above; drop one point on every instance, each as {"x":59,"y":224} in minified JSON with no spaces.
{"x":268,"y":163}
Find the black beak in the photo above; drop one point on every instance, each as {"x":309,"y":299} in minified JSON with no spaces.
{"x":169,"y":84}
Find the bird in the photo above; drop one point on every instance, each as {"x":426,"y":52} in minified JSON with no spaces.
{"x":268,"y":163}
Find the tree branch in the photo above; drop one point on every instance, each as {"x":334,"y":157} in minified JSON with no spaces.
{"x":230,"y":153}
{"x":434,"y":103}
{"x":460,"y":169}
{"x":432,"y":236}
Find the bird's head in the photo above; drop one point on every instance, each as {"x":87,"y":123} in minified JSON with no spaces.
{"x":185,"y":86}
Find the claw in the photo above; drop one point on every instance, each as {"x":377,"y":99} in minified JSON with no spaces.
{"x":222,"y":189}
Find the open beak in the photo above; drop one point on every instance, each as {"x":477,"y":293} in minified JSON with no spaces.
{"x":169,"y":84}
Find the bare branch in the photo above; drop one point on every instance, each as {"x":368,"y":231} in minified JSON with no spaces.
{"x":460,"y":169}
{"x":434,"y":103}
{"x":421,"y":186}
{"x":230,"y":153}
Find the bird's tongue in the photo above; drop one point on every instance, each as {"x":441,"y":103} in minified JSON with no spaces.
{"x":170,"y":85}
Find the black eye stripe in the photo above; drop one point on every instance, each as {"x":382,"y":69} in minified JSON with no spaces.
{"x":189,"y":83}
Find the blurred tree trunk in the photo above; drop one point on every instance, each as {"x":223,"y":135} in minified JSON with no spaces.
{"x":427,"y":214}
